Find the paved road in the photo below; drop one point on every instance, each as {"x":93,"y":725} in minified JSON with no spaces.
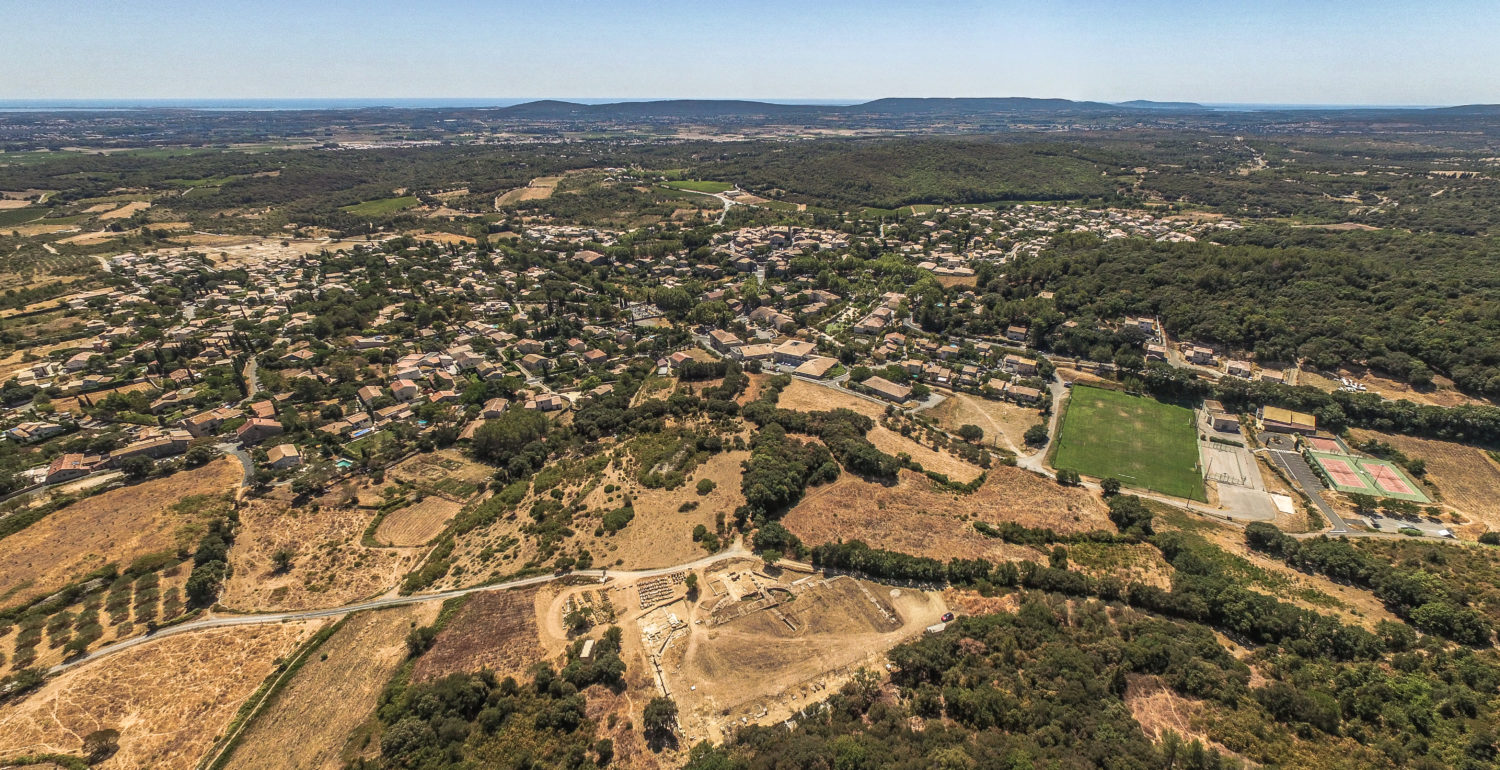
{"x":1296,"y":468}
{"x":735,"y":551}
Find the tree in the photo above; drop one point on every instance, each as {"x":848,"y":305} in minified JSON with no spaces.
{"x":1364,"y":504}
{"x":971,"y":433}
{"x":705,"y":486}
{"x":1068,"y":478}
{"x":692,"y":585}
{"x":1490,"y":538}
{"x":136,"y":467}
{"x":659,"y":722}
{"x":281,"y":561}
{"x":1036,"y":435}
{"x":199,"y":455}
{"x":100,"y":745}
{"x":1110,"y":486}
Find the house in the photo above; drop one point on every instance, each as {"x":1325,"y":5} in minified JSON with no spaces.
{"x":1023,"y":395}
{"x":31,"y":432}
{"x":155,"y":445}
{"x":368,"y":394}
{"x":67,"y":467}
{"x":1238,"y":369}
{"x":283,"y":456}
{"x":207,"y":423}
{"x":1278,"y":420}
{"x":493,"y":408}
{"x":1197,"y":354}
{"x":723,"y":341}
{"x":1016,"y":333}
{"x":679,"y":358}
{"x":817,"y":367}
{"x":258,"y":429}
{"x":547,"y":402}
{"x":1156,"y":352}
{"x":1025,"y":367}
{"x":887,"y":390}
{"x":405,"y":390}
{"x":794,"y":352}
{"x":266,"y":409}
{"x":534,"y":363}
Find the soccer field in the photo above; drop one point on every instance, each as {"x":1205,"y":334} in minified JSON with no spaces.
{"x":1140,"y":441}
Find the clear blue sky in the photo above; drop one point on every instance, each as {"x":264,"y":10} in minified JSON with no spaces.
{"x":1310,"y":51}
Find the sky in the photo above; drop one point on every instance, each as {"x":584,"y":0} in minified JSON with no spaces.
{"x":1384,"y":52}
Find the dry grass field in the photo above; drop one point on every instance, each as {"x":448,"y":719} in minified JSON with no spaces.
{"x":330,"y":566}
{"x":804,"y":396}
{"x":893,"y":443}
{"x":914,"y":516}
{"x":540,"y":188}
{"x":334,"y":692}
{"x":496,"y":630}
{"x":126,"y":210}
{"x":661,"y":534}
{"x":168,"y":699}
{"x":1443,"y":393}
{"x":1004,"y":423}
{"x":417,"y":523}
{"x":115,"y":526}
{"x":446,"y":472}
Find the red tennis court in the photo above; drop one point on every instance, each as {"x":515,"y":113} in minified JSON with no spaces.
{"x":1388,"y":479}
{"x":1325,"y":444}
{"x":1342,"y":473}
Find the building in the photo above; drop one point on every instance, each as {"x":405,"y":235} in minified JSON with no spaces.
{"x":405,"y":390}
{"x":817,"y":367}
{"x":29,"y":432}
{"x":887,"y":390}
{"x":1023,"y":395}
{"x":723,"y":341}
{"x":1219,"y":419}
{"x":258,"y":429}
{"x":1278,"y":420}
{"x":794,"y":352}
{"x":207,"y":423}
{"x":756,"y":352}
{"x":67,"y":467}
{"x":1025,"y":367}
{"x":283,"y":456}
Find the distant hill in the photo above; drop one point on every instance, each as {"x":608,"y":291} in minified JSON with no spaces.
{"x":722,"y":108}
{"x":1146,"y":104}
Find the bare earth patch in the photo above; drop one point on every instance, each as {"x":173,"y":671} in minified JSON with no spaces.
{"x":169,"y":699}
{"x":495,"y":630}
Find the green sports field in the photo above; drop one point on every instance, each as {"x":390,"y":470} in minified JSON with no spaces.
{"x":1140,"y":441}
{"x":702,"y":186}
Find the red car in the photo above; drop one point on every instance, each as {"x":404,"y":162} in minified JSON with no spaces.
{"x":947,"y":616}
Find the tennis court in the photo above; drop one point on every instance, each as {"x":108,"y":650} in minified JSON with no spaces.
{"x":1378,"y":478}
